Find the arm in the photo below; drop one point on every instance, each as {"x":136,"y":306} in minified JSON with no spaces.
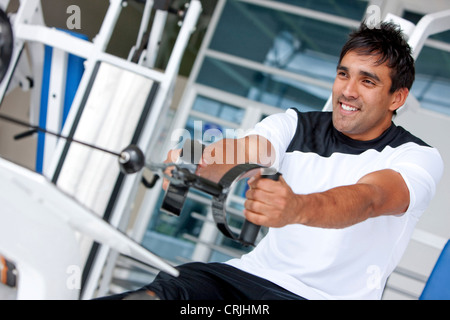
{"x":221,"y":156}
{"x":273,"y":204}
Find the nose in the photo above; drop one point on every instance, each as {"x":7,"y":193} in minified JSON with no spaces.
{"x":350,"y":90}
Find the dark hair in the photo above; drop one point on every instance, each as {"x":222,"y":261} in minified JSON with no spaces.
{"x":387,"y":42}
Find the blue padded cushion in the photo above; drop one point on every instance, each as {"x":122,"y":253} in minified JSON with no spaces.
{"x":438,"y":284}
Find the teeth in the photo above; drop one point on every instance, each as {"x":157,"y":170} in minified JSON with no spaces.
{"x":348,"y":108}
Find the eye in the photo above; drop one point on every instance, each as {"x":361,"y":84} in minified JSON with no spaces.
{"x":369,"y":82}
{"x":342,"y":74}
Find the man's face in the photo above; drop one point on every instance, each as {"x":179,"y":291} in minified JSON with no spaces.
{"x":362,"y":103}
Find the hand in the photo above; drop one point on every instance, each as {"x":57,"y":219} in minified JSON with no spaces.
{"x":271,"y":203}
{"x":172,"y":157}
{"x":212,"y":165}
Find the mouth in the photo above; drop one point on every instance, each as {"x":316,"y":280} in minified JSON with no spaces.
{"x":348,"y":109}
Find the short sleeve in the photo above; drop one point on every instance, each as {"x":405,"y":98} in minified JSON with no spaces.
{"x":279,"y":129}
{"x":421,"y":168}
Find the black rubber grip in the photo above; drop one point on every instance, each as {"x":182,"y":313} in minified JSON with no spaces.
{"x":249,"y":231}
{"x":175,"y":195}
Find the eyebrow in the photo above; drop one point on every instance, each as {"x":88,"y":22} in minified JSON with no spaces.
{"x":363,"y":73}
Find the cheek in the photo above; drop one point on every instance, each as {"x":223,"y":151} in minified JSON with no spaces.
{"x":337,"y":88}
{"x":336,"y":93}
{"x":376,"y":102}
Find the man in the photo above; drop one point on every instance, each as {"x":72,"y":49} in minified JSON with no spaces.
{"x":353,"y":187}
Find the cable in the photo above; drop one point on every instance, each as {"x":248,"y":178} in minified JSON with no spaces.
{"x":37,"y":128}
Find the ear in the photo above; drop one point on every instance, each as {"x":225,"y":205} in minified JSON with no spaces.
{"x":399,"y":98}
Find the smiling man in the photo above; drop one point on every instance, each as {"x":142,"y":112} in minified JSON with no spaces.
{"x":353,"y":187}
{"x":370,"y":85}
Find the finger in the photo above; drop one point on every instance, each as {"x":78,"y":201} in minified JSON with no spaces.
{"x":267,"y":185}
{"x":253,"y":179}
{"x":259,"y":195}
{"x":173,"y":156}
{"x":255,"y":218}
{"x":165,"y":184}
{"x":168,"y":172}
{"x":258,"y":207}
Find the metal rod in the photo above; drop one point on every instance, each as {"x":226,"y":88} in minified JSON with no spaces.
{"x":37,"y":128}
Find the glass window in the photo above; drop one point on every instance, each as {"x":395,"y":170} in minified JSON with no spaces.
{"x":207,"y":131}
{"x":165,"y":233}
{"x":345,"y":8}
{"x":218,"y":109}
{"x":207,"y":106}
{"x":281,"y":40}
{"x":197,"y":128}
{"x":250,"y":31}
{"x":432,"y":83}
{"x":272,"y":90}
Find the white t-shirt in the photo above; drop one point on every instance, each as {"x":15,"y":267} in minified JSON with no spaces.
{"x":349,"y":263}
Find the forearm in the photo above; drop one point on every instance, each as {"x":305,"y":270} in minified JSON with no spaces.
{"x":337,"y":208}
{"x":274,"y":204}
{"x":379,"y":193}
{"x":221,"y":156}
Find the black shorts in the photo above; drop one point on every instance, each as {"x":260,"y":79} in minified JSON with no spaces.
{"x":213,"y":281}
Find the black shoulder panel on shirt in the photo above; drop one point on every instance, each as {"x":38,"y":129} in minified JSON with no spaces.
{"x":316,"y":133}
